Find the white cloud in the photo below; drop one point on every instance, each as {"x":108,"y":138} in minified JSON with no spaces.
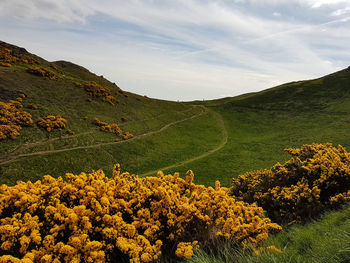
{"x":58,"y":10}
{"x":319,"y":3}
{"x":184,"y":49}
{"x":342,"y":11}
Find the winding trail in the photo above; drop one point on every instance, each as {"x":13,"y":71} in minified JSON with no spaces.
{"x":12,"y":158}
{"x":203,"y":155}
{"x":49,"y":141}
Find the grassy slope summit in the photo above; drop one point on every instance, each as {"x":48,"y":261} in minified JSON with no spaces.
{"x":161,"y":128}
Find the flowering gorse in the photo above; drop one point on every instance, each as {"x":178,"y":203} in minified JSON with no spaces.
{"x":9,"y":56}
{"x":318,"y":176}
{"x":52,"y":122}
{"x":112,"y":128}
{"x":108,"y":127}
{"x":127,"y":135}
{"x":12,"y":118}
{"x":92,"y":218}
{"x":96,"y":90}
{"x":43,"y":72}
{"x":4,"y":64}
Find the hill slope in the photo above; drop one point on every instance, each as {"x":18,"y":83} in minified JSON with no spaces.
{"x":260,"y":125}
{"x":216,"y":139}
{"x":161,"y":129}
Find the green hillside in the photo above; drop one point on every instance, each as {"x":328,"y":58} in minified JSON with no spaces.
{"x":261,"y":125}
{"x":243,"y":133}
{"x":161,"y":129}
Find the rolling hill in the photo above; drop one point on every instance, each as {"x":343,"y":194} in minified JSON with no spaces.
{"x":216,"y":139}
{"x":261,"y":125}
{"x":155,"y":124}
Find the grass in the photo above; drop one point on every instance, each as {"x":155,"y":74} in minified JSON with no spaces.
{"x":62,"y":97}
{"x":257,"y":139}
{"x":323,"y":241}
{"x":173,"y":144}
{"x":259,"y":126}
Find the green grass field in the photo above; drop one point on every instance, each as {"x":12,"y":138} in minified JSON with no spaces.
{"x":323,"y":241}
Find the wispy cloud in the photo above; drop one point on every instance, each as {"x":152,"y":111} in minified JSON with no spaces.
{"x":186,"y":49}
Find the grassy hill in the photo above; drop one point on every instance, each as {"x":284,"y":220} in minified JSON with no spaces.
{"x":163,"y":130}
{"x":217,"y":139}
{"x":261,"y":125}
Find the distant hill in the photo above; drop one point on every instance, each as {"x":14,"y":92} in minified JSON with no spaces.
{"x":313,"y":94}
{"x":260,"y":125}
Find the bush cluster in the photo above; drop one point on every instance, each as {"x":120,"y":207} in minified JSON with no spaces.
{"x":127,"y":135}
{"x":316,"y":177}
{"x":12,"y":118}
{"x":30,"y":60}
{"x":52,"y":122}
{"x":7,"y":57}
{"x":92,"y":218}
{"x":98,"y":91}
{"x":42,"y":72}
{"x":4,"y":64}
{"x":106,"y":127}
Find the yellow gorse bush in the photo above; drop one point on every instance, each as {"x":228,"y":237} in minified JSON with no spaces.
{"x":52,"y":122}
{"x":4,"y":64}
{"x":30,"y":60}
{"x":98,"y":91}
{"x":8,"y":56}
{"x":12,"y":118}
{"x":318,"y":176}
{"x":92,"y":218}
{"x":108,"y":127}
{"x":127,"y":135}
{"x":42,"y":72}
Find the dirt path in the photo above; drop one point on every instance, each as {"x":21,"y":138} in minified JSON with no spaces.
{"x":49,"y":141}
{"x":205,"y":154}
{"x":13,"y":158}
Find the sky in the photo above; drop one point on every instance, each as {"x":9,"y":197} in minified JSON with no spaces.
{"x":186,"y":49}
